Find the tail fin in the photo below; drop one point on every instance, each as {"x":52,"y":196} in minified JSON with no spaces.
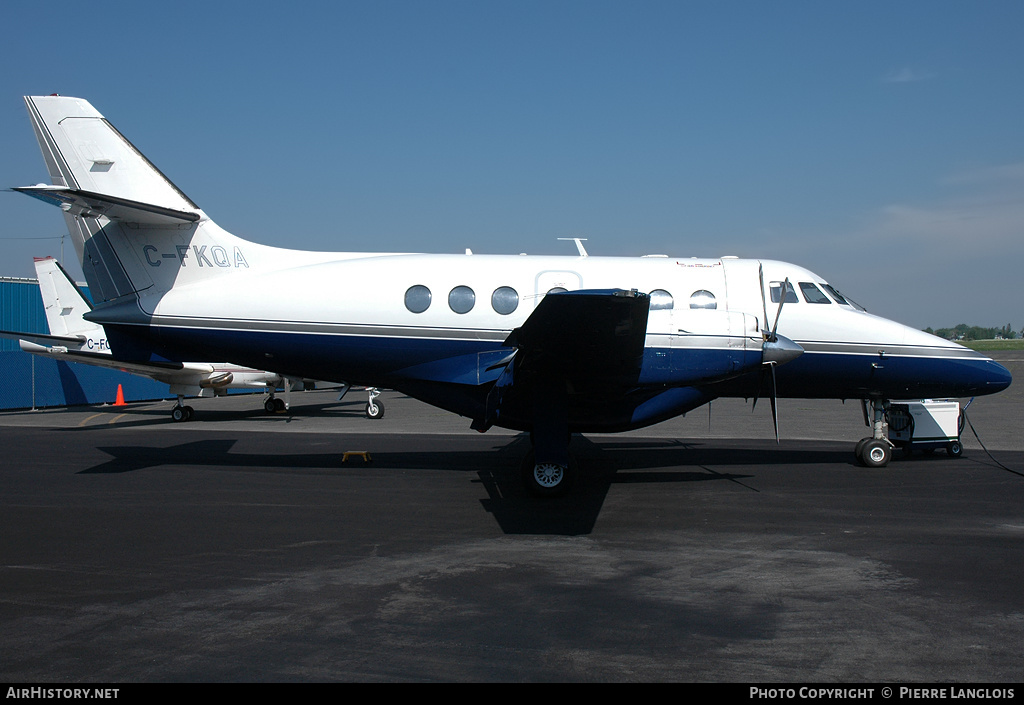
{"x":64,"y":302}
{"x":136,"y":234}
{"x":83,"y":152}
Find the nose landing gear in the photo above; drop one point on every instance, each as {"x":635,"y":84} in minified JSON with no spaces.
{"x":876,"y":450}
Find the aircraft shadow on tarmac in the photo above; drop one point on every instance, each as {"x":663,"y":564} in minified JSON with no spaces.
{"x":606,"y":462}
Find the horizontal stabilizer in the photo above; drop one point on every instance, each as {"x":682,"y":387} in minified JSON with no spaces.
{"x":162,"y":371}
{"x":88,"y":204}
{"x":42,"y":339}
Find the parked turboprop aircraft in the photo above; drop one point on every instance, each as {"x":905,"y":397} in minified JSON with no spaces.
{"x":74,"y":339}
{"x":549,"y":345}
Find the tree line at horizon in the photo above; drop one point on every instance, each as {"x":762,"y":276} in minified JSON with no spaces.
{"x":966,"y":332}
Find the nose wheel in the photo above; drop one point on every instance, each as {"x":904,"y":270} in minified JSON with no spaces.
{"x":874,"y":452}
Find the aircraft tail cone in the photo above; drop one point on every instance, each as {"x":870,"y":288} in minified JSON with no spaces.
{"x":119,"y":401}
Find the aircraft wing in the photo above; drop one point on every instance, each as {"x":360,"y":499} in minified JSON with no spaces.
{"x":88,"y":203}
{"x":162,"y":371}
{"x":593,"y":338}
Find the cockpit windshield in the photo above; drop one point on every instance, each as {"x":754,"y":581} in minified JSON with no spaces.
{"x":812,"y":294}
{"x":840,"y":299}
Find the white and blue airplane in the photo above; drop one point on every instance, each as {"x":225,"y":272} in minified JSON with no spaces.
{"x":74,"y":339}
{"x":546,"y":345}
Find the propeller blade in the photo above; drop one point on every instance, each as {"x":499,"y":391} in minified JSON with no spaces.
{"x":782,"y":300}
{"x":764,"y":304}
{"x":775,"y":411}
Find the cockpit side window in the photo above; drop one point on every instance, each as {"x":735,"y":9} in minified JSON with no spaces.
{"x":775,"y":288}
{"x":835,"y":294}
{"x":812,"y":294}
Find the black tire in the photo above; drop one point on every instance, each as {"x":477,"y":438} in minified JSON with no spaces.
{"x":375,"y":409}
{"x":876,"y":454}
{"x":269,"y":405}
{"x":954,"y":449}
{"x":546,"y":479}
{"x":178,"y":413}
{"x":859,"y":448}
{"x":189,"y":413}
{"x":278,"y":404}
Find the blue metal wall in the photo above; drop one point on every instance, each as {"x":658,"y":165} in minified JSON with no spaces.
{"x":30,"y":381}
{"x":21,"y":309}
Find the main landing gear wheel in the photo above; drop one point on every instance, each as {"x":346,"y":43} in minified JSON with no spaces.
{"x":374,"y":409}
{"x":182,"y":413}
{"x":954,"y":449}
{"x":874,"y":452}
{"x":545,"y":479}
{"x":273,"y":405}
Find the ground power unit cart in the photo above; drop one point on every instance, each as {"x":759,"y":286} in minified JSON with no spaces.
{"x":926,"y":425}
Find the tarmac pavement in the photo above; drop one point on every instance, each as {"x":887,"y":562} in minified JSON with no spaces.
{"x":240,"y":547}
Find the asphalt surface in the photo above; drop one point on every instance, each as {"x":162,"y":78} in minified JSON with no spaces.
{"x":240,"y":547}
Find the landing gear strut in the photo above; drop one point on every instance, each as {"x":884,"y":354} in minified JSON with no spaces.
{"x":374,"y":407}
{"x":548,"y":470}
{"x":876,"y":450}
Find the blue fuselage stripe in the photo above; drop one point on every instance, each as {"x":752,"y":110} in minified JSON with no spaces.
{"x":390,"y":360}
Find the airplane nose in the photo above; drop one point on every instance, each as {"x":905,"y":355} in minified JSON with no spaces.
{"x":994,"y":377}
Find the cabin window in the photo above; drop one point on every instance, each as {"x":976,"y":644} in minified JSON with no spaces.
{"x":461,"y":299}
{"x":661,"y":300}
{"x":417,"y":298}
{"x":703,"y":299}
{"x":776,"y":292}
{"x":505,"y":300}
{"x":812,"y":294}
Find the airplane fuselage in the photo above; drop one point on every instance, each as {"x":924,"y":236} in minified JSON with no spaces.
{"x":422,"y":323}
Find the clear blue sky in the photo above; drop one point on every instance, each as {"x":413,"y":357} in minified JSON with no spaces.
{"x":880,"y":144}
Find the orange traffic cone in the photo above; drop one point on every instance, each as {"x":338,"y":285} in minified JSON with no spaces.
{"x":120,"y":397}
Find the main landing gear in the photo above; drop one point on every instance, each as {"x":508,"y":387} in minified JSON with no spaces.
{"x":181,"y":412}
{"x":546,"y":479}
{"x":273,"y":405}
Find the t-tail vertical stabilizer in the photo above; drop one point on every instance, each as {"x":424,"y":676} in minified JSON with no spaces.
{"x":136,"y":234}
{"x":64,"y":303}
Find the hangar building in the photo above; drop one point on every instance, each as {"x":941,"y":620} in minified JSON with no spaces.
{"x":31,"y":381}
